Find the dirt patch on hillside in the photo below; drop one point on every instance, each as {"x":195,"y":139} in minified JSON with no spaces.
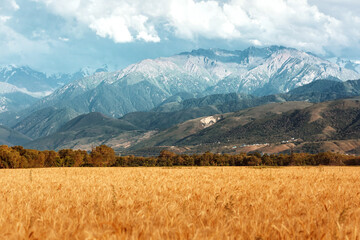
{"x":278,"y":148}
{"x":316,"y":114}
{"x":328,"y":131}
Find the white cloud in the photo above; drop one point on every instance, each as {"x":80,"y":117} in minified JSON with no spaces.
{"x":296,"y":23}
{"x":113,"y":27}
{"x":122,"y":21}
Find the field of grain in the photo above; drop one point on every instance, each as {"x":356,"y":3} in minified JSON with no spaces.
{"x":180,"y":203}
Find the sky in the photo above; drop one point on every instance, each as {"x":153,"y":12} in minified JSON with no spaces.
{"x":65,"y":35}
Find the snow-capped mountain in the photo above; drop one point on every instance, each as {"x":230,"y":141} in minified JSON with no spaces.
{"x":21,"y":86}
{"x":13,"y":98}
{"x":28,"y":79}
{"x":146,"y":84}
{"x":34,"y":81}
{"x":283,"y":70}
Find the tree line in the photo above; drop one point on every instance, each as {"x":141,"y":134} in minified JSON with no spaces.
{"x":104,"y":156}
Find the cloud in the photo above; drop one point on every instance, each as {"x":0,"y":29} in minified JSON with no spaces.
{"x":113,"y":27}
{"x":4,"y":19}
{"x":15,"y":47}
{"x":296,"y":23}
{"x":13,"y":43}
{"x":9,"y":5}
{"x":64,"y":39}
{"x":46,"y":32}
{"x":121,"y":21}
{"x":14,"y":5}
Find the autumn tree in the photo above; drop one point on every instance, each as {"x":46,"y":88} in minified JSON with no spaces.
{"x":166,"y":158}
{"x":102,"y":156}
{"x":9,"y":158}
{"x":51,"y":157}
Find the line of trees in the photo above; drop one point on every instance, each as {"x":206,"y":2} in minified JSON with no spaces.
{"x":104,"y":156}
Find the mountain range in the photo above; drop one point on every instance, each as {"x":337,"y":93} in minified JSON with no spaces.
{"x":191,"y":102}
{"x":145,"y":85}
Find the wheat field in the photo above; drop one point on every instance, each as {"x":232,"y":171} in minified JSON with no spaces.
{"x":180,"y":203}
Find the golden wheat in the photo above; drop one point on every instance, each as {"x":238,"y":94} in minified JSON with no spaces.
{"x":180,"y":203}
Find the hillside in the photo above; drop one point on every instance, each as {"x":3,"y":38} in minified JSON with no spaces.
{"x":210,"y":129}
{"x":271,"y":128}
{"x":274,"y":127}
{"x":323,"y":121}
{"x":44,"y":122}
{"x":324,"y":90}
{"x":10,"y":137}
{"x":88,"y":130}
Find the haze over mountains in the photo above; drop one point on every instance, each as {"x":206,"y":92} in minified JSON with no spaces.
{"x":196,"y":92}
